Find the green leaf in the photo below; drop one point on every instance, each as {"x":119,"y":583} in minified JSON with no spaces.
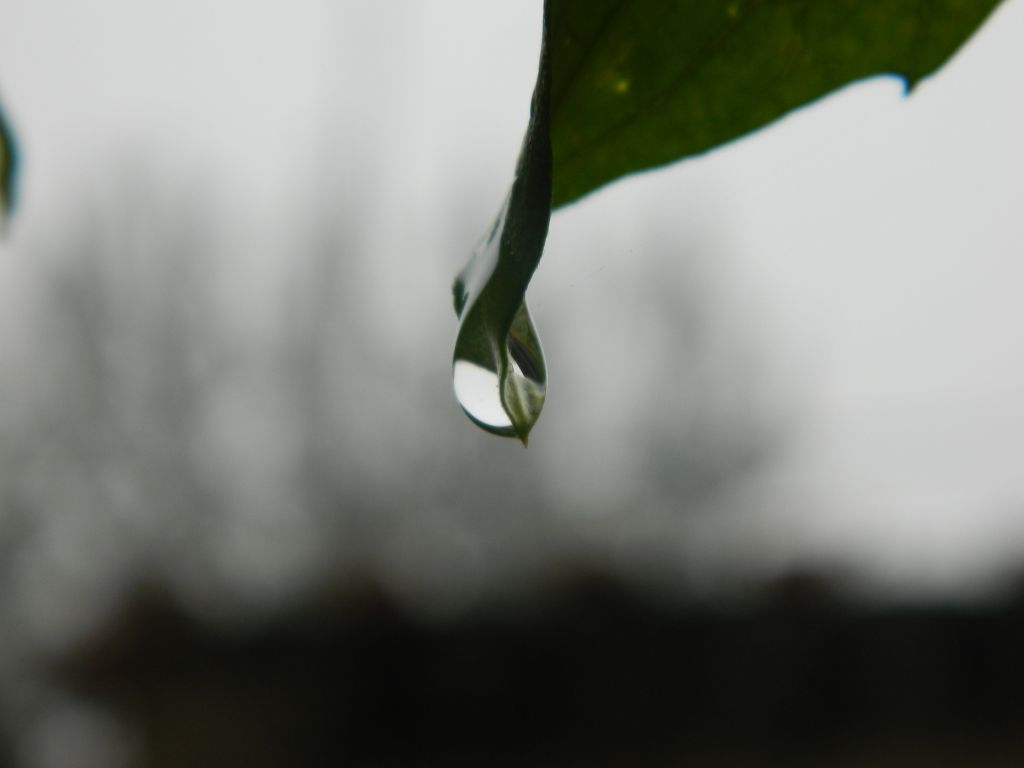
{"x":8,"y":169}
{"x":627,"y":85}
{"x":639,"y":83}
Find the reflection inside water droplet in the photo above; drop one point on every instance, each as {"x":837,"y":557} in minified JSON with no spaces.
{"x":523,"y":363}
{"x":477,"y":390}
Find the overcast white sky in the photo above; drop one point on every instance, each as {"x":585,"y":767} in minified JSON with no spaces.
{"x":871,"y":247}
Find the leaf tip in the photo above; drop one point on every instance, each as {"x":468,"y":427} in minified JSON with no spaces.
{"x":522,"y":423}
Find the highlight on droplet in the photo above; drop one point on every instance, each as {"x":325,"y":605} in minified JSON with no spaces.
{"x":478,"y":392}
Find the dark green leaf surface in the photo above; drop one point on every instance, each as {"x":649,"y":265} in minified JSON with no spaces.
{"x":640,"y":83}
{"x":8,"y":167}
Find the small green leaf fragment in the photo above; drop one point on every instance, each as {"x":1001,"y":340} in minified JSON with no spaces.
{"x":8,"y":169}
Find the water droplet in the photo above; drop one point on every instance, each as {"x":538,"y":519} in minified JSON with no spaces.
{"x":479,"y":391}
{"x":501,"y":390}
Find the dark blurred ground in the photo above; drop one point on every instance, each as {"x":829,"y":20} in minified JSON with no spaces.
{"x":587,"y":674}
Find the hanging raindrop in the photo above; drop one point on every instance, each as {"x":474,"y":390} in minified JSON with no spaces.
{"x":501,"y":390}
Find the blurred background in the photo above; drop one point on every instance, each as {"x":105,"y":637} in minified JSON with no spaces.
{"x":773,"y":512}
